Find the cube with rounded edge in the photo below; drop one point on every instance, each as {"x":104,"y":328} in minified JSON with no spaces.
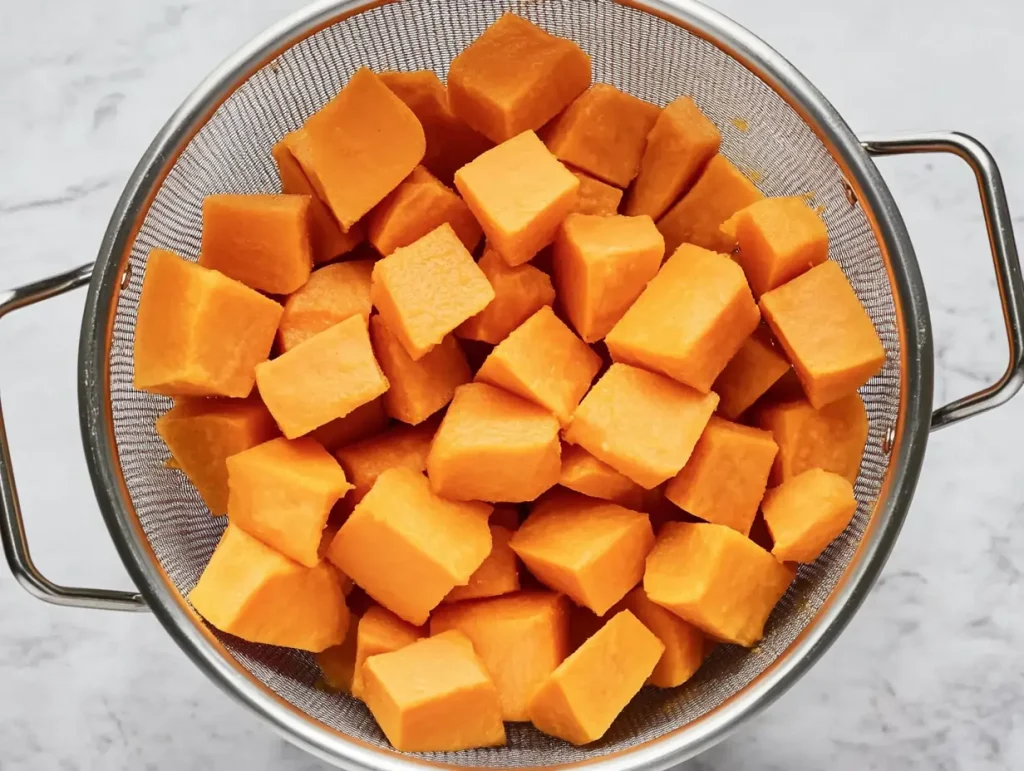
{"x":497,"y":575}
{"x":807,"y":512}
{"x":755,"y":368}
{"x":401,"y":446}
{"x":332,"y":294}
{"x":380,"y":631}
{"x":585,"y":474}
{"x":519,"y":292}
{"x":685,"y":645}
{"x":595,"y":196}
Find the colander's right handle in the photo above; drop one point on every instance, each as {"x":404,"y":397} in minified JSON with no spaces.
{"x":1004,"y":257}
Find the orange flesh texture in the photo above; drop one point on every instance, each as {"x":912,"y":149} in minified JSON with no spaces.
{"x":398,"y":447}
{"x":755,"y":368}
{"x":332,"y":294}
{"x":585,"y":474}
{"x":338,"y":663}
{"x":807,"y":512}
{"x":505,"y":515}
{"x":362,"y":423}
{"x":497,"y":575}
{"x":595,"y":196}
{"x":519,"y":292}
{"x":685,"y":645}
{"x":380,"y":631}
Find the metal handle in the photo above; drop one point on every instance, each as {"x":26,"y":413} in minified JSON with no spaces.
{"x":12,"y":526}
{"x":1004,"y":257}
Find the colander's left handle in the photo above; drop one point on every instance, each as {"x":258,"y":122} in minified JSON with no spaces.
{"x":12,"y":526}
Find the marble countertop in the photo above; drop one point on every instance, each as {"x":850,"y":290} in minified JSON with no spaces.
{"x":929,"y":675}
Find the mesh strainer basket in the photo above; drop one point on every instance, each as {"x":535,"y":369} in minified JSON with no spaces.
{"x":774,"y":125}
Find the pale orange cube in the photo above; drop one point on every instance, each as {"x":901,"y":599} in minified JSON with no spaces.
{"x":595,"y":196}
{"x":589,"y":549}
{"x":585,"y":474}
{"x":726,"y":476}
{"x":332,"y":294}
{"x":515,"y":77}
{"x":581,"y":699}
{"x":756,"y":367}
{"x":425,"y":290}
{"x":519,"y":193}
{"x":434,"y":696}
{"x":778,"y":239}
{"x":407,"y":548}
{"x":519,"y":292}
{"x":380,"y":631}
{"x":362,"y":423}
{"x":685,"y":645}
{"x":807,"y":512}
{"x":497,"y":575}
{"x":719,"y":192}
{"x":198,"y":332}
{"x":604,"y":133}
{"x":690,"y":320}
{"x":601,"y":265}
{"x":520,"y":638}
{"x":642,"y":424}
{"x":323,"y":379}
{"x":544,"y":362}
{"x":826,"y":333}
{"x":716,"y":579}
{"x":494,"y":446}
{"x":337,"y":663}
{"x":402,"y":446}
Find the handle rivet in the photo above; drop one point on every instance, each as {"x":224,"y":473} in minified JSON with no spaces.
{"x":126,"y":277}
{"x":889,"y":439}
{"x":850,"y":195}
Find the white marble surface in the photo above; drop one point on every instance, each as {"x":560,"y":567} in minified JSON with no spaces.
{"x":929,"y":675}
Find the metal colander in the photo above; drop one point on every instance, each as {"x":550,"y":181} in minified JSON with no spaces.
{"x":774,"y":126}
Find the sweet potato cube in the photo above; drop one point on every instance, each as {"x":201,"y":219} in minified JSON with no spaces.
{"x":716,"y":579}
{"x":362,"y":423}
{"x":407,"y":548}
{"x":402,"y":446}
{"x":515,"y":77}
{"x":418,"y":388}
{"x":601,"y":265}
{"x":725,"y":478}
{"x":825,"y":331}
{"x":332,"y":294}
{"x":755,"y":368}
{"x":585,"y":474}
{"x":251,"y":591}
{"x":506,"y":515}
{"x":282,"y":492}
{"x":807,"y":512}
{"x":451,"y":144}
{"x":595,"y":196}
{"x":642,"y":424}
{"x":497,"y":575}
{"x":359,"y":147}
{"x":494,"y":446}
{"x":416,"y":207}
{"x":198,"y":332}
{"x":434,"y":696}
{"x":425,"y":290}
{"x":519,"y":292}
{"x":778,"y":239}
{"x":678,"y":148}
{"x":685,"y":645}
{"x":519,"y":193}
{"x":589,"y":549}
{"x":603,"y":133}
{"x":380,"y":631}
{"x":520,"y":638}
{"x":719,"y":192}
{"x":581,"y":699}
{"x":322,"y":379}
{"x":544,"y":362}
{"x":690,"y":320}
{"x":338,"y":663}
{"x":203,"y":433}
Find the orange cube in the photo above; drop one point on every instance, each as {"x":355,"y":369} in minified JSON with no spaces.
{"x":778,"y":239}
{"x":689,"y":321}
{"x":716,"y":579}
{"x":362,"y":423}
{"x":678,"y":148}
{"x":826,"y":333}
{"x":418,"y":388}
{"x":425,"y":290}
{"x":544,"y":362}
{"x":198,"y":332}
{"x":585,"y":474}
{"x":337,"y":663}
{"x":725,"y":478}
{"x":595,"y":196}
{"x":589,"y":549}
{"x":402,"y":446}
{"x":282,"y":492}
{"x":359,"y":147}
{"x":497,"y":575}
{"x":332,"y":294}
{"x":451,"y":144}
{"x":685,"y":645}
{"x":250,"y":591}
{"x":603,"y":133}
{"x":520,"y":638}
{"x":640,"y":423}
{"x":519,"y":292}
{"x":755,"y":368}
{"x":515,"y":77}
{"x":203,"y":433}
{"x":380,"y":631}
{"x":719,"y":192}
{"x":434,"y":696}
{"x":493,"y":446}
{"x":601,"y":265}
{"x":807,"y":512}
{"x":519,"y":193}
{"x":581,"y":699}
{"x":416,"y":207}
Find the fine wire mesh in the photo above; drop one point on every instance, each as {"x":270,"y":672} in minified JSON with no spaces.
{"x":642,"y":54}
